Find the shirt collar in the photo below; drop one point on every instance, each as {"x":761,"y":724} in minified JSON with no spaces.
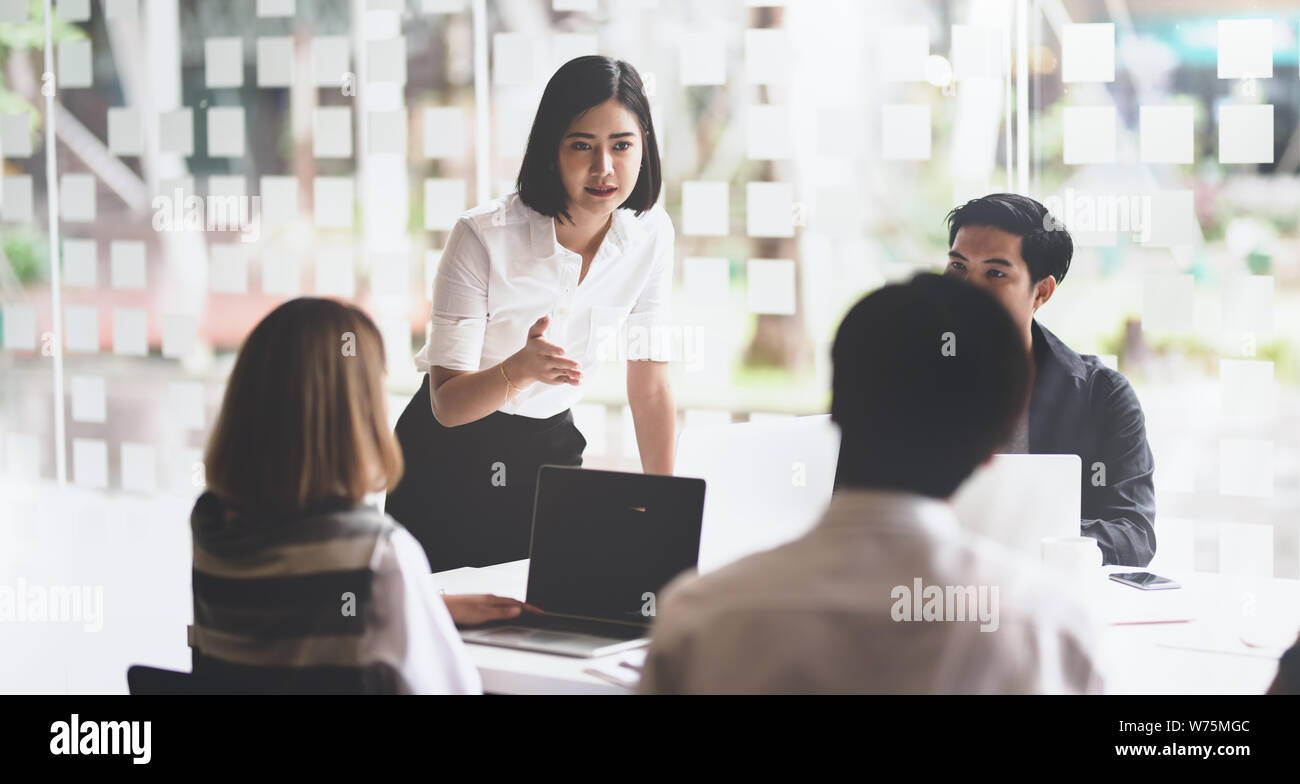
{"x":1049,"y":350}
{"x":869,"y":508}
{"x":624,"y":231}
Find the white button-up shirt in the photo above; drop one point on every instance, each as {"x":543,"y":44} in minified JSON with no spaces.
{"x":503,"y":269}
{"x":822,"y":614}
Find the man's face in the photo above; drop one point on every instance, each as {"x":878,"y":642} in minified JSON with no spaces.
{"x":990,"y":258}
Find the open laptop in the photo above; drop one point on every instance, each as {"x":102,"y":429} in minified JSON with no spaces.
{"x":605,"y":543}
{"x":1018,"y":499}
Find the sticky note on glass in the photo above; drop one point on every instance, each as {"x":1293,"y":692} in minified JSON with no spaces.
{"x":902,"y":51}
{"x":229,"y":268}
{"x":767,"y":56}
{"x":1246,"y":549}
{"x":275,"y":7}
{"x":223,"y":62}
{"x":705,"y":210}
{"x":71,"y":10}
{"x":444,"y":132}
{"x":770,"y":286}
{"x":227,"y":186}
{"x":20,"y":327}
{"x":75,"y":63}
{"x":1246,"y":134}
{"x":905,"y":132}
{"x":1248,"y":303}
{"x":1170,"y":220}
{"x":330,"y":60}
{"x":275,"y":61}
{"x":81,"y":328}
{"x":125,"y":133}
{"x":1245,"y":48}
{"x":768,"y":132}
{"x":769,"y":209}
{"x":1248,"y":388}
{"x":130,"y":332}
{"x":176,"y":131}
{"x":390,"y":275}
{"x":386,"y":61}
{"x":79,"y":263}
{"x":1089,"y":134}
{"x":139,"y":468}
{"x":1088,"y":52}
{"x":702,"y":59}
{"x":77,"y":197}
{"x":335,"y":276}
{"x":89,"y":463}
{"x":16,"y":200}
{"x":280,"y":274}
{"x":226,"y":132}
{"x":334,"y":200}
{"x":332,"y":132}
{"x":127,"y":264}
{"x":279,"y":200}
{"x":444,"y":201}
{"x":978,"y":52}
{"x":514,"y":58}
{"x":180,"y":334}
{"x":706,"y":281}
{"x":1168,"y":302}
{"x":185,"y":404}
{"x":124,"y":10}
{"x":88,"y":399}
{"x":15,"y":135}
{"x":1166,"y":134}
{"x":1246,"y":467}
{"x":387,"y":133}
{"x":13,"y":11}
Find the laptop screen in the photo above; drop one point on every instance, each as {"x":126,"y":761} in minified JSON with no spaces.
{"x":605,"y":543}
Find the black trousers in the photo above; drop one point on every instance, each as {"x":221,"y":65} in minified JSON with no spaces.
{"x":467,"y":491}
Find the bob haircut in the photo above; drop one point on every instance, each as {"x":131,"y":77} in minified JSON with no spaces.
{"x":578,"y":85}
{"x":303,"y":421}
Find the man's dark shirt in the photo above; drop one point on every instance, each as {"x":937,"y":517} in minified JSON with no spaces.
{"x":1081,"y":407}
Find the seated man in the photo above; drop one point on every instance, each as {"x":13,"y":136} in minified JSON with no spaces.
{"x":1010,"y":246}
{"x":886,"y":593}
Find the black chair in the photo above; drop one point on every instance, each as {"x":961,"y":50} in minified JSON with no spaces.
{"x":213,"y":676}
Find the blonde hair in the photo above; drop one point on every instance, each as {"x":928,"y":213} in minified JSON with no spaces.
{"x":304,"y":416}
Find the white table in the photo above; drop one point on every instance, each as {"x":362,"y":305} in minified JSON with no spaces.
{"x":1215,"y":635}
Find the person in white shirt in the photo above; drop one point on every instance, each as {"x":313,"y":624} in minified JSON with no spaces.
{"x":534,"y":292}
{"x":886,"y":594}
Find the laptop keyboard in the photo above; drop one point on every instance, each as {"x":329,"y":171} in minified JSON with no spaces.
{"x":555,"y":623}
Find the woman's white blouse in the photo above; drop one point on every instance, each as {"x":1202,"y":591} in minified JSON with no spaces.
{"x":503,"y":269}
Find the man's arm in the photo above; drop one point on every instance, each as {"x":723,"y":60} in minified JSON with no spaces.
{"x":1119,"y":506}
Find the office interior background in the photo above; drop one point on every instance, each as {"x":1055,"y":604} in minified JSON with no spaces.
{"x":811,"y":150}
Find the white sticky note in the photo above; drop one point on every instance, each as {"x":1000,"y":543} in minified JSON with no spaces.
{"x":770,"y":286}
{"x":513,"y":120}
{"x":1248,"y":303}
{"x":514,"y":58}
{"x":390,"y":275}
{"x":223,"y":62}
{"x":125,"y":132}
{"x":90,"y":463}
{"x":176,"y":131}
{"x":16,"y":200}
{"x":20,"y":327}
{"x":442,"y":6}
{"x":1089,"y":134}
{"x":15,"y":135}
{"x":124,"y":10}
{"x":226,"y":132}
{"x":1172,"y":220}
{"x":590,"y":418}
{"x":180,"y":334}
{"x":387,"y":61}
{"x":332,"y":132}
{"x":81,"y":328}
{"x":335,"y":276}
{"x":72,"y":10}
{"x":1246,"y":467}
{"x":1247,"y":388}
{"x":387,"y":133}
{"x":705,"y":209}
{"x":130,"y":332}
{"x":768,"y":132}
{"x":901,"y":52}
{"x":226,"y":186}
{"x":444,"y":201}
{"x":22,"y":456}
{"x":13,"y":11}
{"x":1167,"y":134}
{"x":334,"y":199}
{"x":1245,"y":48}
{"x":75,"y":67}
{"x":281,"y":274}
{"x":185,"y":404}
{"x":88,"y":399}
{"x":279,"y":200}
{"x":767,"y":56}
{"x":769,"y":209}
{"x":276,"y":7}
{"x":330,"y":57}
{"x":444,"y":132}
{"x":702,"y":59}
{"x":229,"y":268}
{"x":77,"y":197}
{"x":1246,"y":549}
{"x":139,"y":468}
{"x":706,"y":281}
{"x":275,"y":61}
{"x":1168,"y":302}
{"x":569,"y":46}
{"x":978,"y":52}
{"x":905,"y":132}
{"x":1088,"y":52}
{"x":127,"y":264}
{"x":1246,"y":134}
{"x":838,"y":211}
{"x":80,"y":265}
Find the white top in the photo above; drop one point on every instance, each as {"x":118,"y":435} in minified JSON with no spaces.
{"x":503,"y":269}
{"x":817,"y":615}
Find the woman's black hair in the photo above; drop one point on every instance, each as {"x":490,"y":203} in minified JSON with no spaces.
{"x":578,"y":85}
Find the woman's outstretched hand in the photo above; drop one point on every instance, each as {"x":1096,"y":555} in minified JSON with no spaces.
{"x":541,"y":360}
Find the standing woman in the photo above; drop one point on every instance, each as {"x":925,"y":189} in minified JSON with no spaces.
{"x":530,"y":293}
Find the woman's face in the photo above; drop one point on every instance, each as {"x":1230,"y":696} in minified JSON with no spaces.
{"x":600,"y":159}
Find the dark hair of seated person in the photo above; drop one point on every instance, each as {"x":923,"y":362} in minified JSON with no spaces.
{"x":929,"y":378}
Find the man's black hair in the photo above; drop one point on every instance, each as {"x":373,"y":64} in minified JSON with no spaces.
{"x":1045,"y":244}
